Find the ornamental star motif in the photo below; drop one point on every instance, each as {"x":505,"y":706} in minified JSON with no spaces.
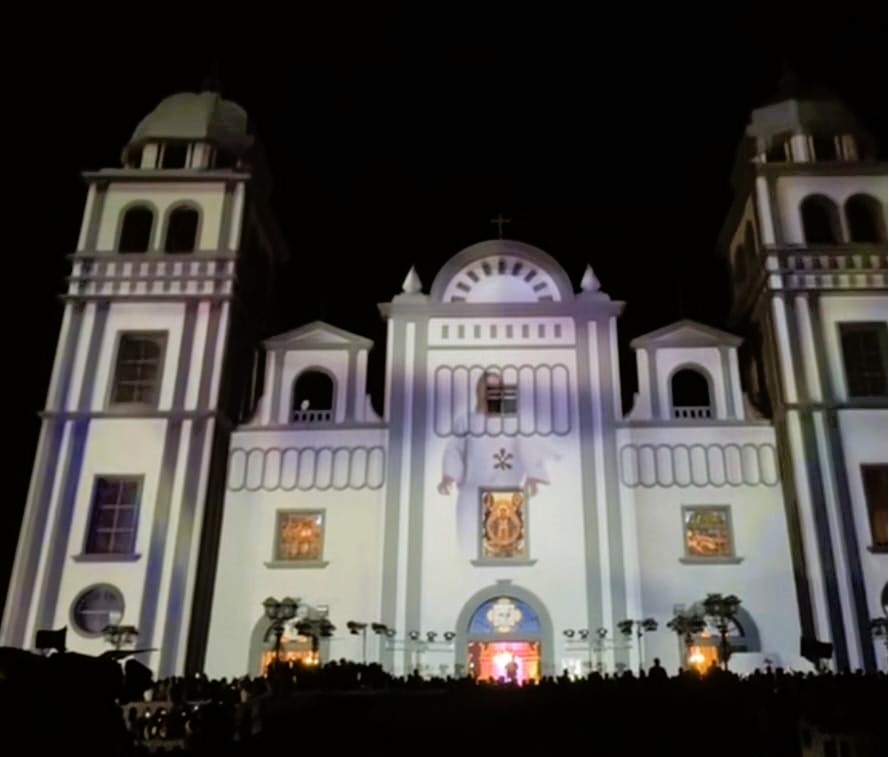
{"x":503,"y":460}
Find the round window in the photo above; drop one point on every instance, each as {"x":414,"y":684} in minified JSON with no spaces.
{"x":97,"y":607}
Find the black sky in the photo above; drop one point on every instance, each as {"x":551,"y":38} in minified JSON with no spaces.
{"x":607,"y":139}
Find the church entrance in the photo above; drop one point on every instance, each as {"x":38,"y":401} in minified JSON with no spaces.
{"x":517,"y":661}
{"x":295,"y":647}
{"x":504,"y":641}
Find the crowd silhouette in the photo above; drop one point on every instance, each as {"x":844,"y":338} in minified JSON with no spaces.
{"x":73,"y":704}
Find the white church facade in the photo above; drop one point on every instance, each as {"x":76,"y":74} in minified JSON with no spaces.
{"x":195,"y":460}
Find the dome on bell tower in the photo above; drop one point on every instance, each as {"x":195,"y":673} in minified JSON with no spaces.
{"x":194,"y":117}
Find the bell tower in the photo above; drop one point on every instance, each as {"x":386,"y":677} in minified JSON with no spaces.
{"x":170,"y":292}
{"x":806,"y":243}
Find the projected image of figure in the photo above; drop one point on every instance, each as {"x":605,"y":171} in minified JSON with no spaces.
{"x":481,"y":464}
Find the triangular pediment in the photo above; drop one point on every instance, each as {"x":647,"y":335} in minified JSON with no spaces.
{"x":686,"y":333}
{"x":317,"y":334}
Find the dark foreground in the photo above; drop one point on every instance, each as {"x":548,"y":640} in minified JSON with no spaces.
{"x":77,"y":705}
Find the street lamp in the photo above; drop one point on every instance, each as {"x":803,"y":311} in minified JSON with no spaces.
{"x":117,"y":634}
{"x":279,"y":613}
{"x":355,"y":628}
{"x":723,"y":609}
{"x":420,"y":642}
{"x":626,"y":628}
{"x":583,"y":635}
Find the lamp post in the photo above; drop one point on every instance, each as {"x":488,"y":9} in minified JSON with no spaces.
{"x":626,"y":627}
{"x":685,"y":624}
{"x":420,"y":642}
{"x":355,"y":628}
{"x":723,"y":609}
{"x":116,"y":634}
{"x":583,"y":635}
{"x":279,"y":613}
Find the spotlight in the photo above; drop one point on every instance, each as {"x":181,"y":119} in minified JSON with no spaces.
{"x":584,"y":633}
{"x":569,"y":633}
{"x":378,"y":628}
{"x":414,"y":635}
{"x":355,"y":627}
{"x":431,"y":636}
{"x":449,"y":635}
{"x":390,"y":633}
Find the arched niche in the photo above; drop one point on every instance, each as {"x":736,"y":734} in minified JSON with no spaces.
{"x":474,"y":625}
{"x":691,"y":393}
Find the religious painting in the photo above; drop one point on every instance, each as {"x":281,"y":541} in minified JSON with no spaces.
{"x":707,"y":532}
{"x":503,"y":524}
{"x":299,"y":535}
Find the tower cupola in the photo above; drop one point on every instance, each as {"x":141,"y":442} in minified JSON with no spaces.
{"x":190,"y":130}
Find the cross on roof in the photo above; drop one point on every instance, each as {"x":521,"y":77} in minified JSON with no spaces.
{"x":500,"y":220}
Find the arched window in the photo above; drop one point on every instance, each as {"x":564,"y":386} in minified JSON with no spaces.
{"x":821,"y":221}
{"x":182,"y":230}
{"x":864,"y":217}
{"x":135,"y":229}
{"x":690,"y":394}
{"x":703,"y":650}
{"x":504,"y":641}
{"x":312,"y":398}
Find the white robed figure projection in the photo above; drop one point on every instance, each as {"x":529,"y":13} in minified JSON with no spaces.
{"x":495,"y":475}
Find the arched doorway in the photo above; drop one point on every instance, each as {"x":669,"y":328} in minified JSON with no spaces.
{"x":703,"y":652}
{"x":294,"y":646}
{"x":504,"y":632}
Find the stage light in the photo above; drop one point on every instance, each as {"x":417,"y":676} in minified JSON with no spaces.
{"x":356,"y":627}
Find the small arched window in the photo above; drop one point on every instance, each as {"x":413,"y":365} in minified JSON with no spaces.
{"x":135,"y":229}
{"x":182,"y":230}
{"x":690,"y":394}
{"x":312,"y":398}
{"x":821,"y":221}
{"x":864,"y":217}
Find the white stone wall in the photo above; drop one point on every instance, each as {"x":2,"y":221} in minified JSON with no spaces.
{"x":863,"y":434}
{"x":141,"y":316}
{"x":162,"y":196}
{"x":556,"y":525}
{"x":764,"y":577}
{"x":131,"y":447}
{"x":275,"y":470}
{"x":792,"y":190}
{"x":837,"y":309}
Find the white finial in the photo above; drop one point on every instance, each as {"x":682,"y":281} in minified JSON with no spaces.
{"x":589,"y":282}
{"x":412,"y":283}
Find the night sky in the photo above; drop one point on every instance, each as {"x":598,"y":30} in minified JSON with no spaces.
{"x":393,"y":143}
